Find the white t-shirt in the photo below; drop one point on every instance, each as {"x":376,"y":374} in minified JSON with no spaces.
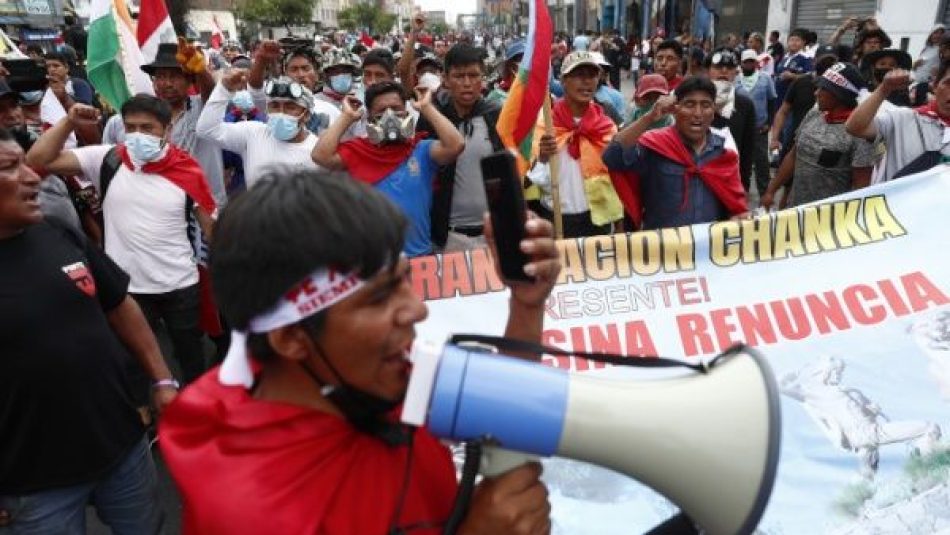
{"x":251,"y":140}
{"x":570,"y":183}
{"x":146,"y":231}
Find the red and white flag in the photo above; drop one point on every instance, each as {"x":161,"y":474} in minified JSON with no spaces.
{"x":217,"y":36}
{"x":154,"y":27}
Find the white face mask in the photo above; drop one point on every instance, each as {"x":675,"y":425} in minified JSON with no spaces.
{"x":143,"y":148}
{"x":431,"y":80}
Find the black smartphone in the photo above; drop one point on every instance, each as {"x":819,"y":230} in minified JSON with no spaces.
{"x":508,"y":213}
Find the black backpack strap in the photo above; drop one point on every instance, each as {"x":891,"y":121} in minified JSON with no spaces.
{"x":110,"y":165}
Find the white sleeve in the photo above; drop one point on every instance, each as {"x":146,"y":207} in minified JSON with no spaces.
{"x":211,"y":125}
{"x":540,"y":174}
{"x":258,"y":96}
{"x":114,"y":131}
{"x":90,"y":161}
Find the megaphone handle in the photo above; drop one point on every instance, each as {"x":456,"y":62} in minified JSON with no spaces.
{"x":497,"y":461}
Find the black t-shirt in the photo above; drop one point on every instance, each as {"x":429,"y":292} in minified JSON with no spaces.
{"x":801,"y":97}
{"x":66,"y":413}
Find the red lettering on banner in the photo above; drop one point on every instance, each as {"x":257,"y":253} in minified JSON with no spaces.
{"x":455,"y":276}
{"x":639,"y":341}
{"x":686,"y":288}
{"x":921,"y":291}
{"x":723,"y":327}
{"x":826,"y":312}
{"x":791,"y":319}
{"x":695,"y":339}
{"x":893,"y":298}
{"x":756,"y":326}
{"x":635,"y":343}
{"x":425,"y":277}
{"x":855,"y":297}
{"x":484,"y":277}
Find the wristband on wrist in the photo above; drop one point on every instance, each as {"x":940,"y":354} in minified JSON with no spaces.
{"x":166,"y":382}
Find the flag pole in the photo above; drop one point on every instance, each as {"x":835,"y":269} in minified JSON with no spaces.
{"x":554,"y":168}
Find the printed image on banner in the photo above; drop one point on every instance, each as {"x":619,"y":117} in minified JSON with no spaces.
{"x":848,"y":299}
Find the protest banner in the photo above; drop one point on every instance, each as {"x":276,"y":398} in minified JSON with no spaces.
{"x":847,"y":298}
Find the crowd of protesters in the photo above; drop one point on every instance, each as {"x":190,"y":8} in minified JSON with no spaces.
{"x":344,"y":155}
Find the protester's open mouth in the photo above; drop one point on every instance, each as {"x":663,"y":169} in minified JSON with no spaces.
{"x":32,"y":198}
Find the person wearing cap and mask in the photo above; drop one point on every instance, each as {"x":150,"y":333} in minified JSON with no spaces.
{"x":302,"y":66}
{"x":589,"y":204}
{"x":761,"y":91}
{"x":650,"y":88}
{"x":428,"y":71}
{"x":735,"y":113}
{"x":282,"y":140}
{"x":297,"y":424}
{"x":241,"y":108}
{"x":877,"y":64}
{"x":916,"y":138}
{"x":338,"y":73}
{"x":393,"y":158}
{"x":509,"y":70}
{"x":826,"y":160}
{"x":682,"y":174}
{"x":156,"y":192}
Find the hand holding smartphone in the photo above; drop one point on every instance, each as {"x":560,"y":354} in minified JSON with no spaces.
{"x":508,"y":214}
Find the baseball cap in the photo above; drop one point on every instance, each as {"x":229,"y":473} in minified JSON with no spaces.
{"x":844,"y":80}
{"x":652,"y":83}
{"x":429,"y":57}
{"x":826,"y":50}
{"x":514,"y":49}
{"x":576,"y":59}
{"x":749,"y":54}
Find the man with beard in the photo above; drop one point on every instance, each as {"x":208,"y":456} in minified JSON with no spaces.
{"x":826,"y":160}
{"x":678,"y":175}
{"x":392,"y":158}
{"x":735,"y":112}
{"x":589,"y":204}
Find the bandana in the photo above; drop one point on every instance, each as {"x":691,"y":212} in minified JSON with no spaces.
{"x":370,"y":163}
{"x":930,"y":110}
{"x":318,"y":291}
{"x":837,"y":116}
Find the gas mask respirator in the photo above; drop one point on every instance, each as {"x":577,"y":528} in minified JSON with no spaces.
{"x":390,"y":128}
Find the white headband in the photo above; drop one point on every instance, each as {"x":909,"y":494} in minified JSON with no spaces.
{"x":320,"y":290}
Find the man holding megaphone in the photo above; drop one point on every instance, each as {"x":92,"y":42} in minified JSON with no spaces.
{"x":296,"y":432}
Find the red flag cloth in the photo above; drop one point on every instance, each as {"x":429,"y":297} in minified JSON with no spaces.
{"x":369,"y":162}
{"x":179,"y":168}
{"x":721,"y":175}
{"x":930,"y":110}
{"x":366,"y":40}
{"x":209,"y":321}
{"x":248,"y":466}
{"x":837,"y":116}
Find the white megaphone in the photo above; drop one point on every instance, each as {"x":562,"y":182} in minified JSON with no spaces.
{"x":708,"y":442}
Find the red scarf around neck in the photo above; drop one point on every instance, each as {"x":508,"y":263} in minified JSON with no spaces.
{"x":721,"y":175}
{"x":370,"y":163}
{"x":179,"y":168}
{"x":930,"y":110}
{"x":837,"y":116}
{"x":593,"y":126}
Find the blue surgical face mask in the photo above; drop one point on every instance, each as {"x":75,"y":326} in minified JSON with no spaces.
{"x":143,"y":148}
{"x":283,"y":127}
{"x":243,"y":101}
{"x":341,"y":83}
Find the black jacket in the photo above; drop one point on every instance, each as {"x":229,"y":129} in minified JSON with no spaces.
{"x":742,"y":126}
{"x":445,"y":179}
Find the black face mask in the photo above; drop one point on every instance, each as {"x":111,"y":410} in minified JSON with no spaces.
{"x":879,"y":74}
{"x":748,"y":72}
{"x":364,"y":411}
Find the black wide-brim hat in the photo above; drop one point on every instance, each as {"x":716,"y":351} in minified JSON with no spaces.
{"x":903,"y":58}
{"x":164,"y":59}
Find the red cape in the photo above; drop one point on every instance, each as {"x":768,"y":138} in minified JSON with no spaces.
{"x":721,"y":175}
{"x":930,"y":110}
{"x":246,"y":466}
{"x":180,"y":169}
{"x":370,"y":163}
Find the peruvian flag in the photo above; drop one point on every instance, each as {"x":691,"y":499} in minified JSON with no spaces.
{"x":217,"y":36}
{"x":154,"y":27}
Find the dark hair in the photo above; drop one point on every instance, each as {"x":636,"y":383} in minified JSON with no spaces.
{"x":695,"y":83}
{"x":150,"y":105}
{"x":382,"y":57}
{"x":289,"y":224}
{"x":382,"y":88}
{"x":811,"y":37}
{"x":801,"y":33}
{"x":875,"y":33}
{"x":301,"y":52}
{"x":34,"y":49}
{"x":775,"y":33}
{"x":358,"y":48}
{"x":670,"y":44}
{"x":462,"y":55}
{"x":58,"y":56}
